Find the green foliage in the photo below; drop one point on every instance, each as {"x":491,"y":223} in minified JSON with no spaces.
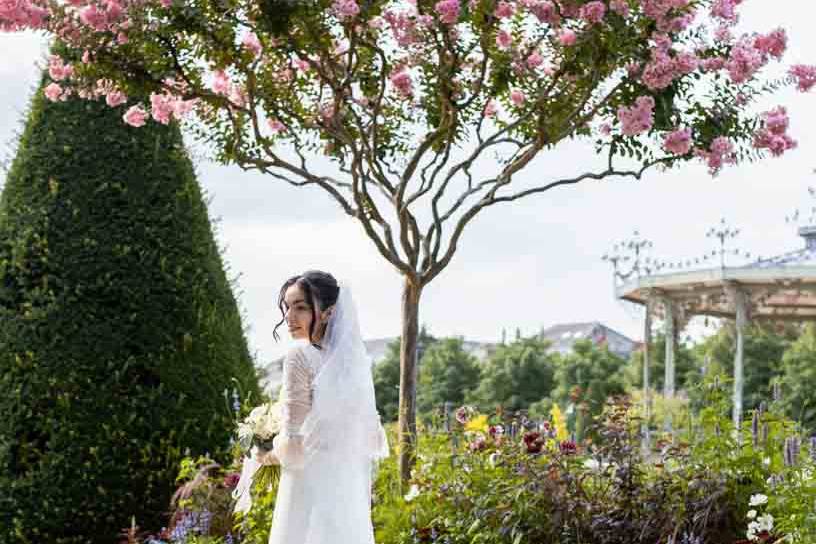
{"x":446,"y":373}
{"x":586,"y":378}
{"x":498,"y":491}
{"x":387,"y":377}
{"x":386,"y":382}
{"x":476,"y":485}
{"x":763,"y":348}
{"x":799,"y":379}
{"x":686,"y":367}
{"x":119,"y":332}
{"x":515,"y":376}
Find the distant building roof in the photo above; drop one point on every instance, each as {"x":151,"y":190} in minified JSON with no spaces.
{"x":378,"y":348}
{"x":563,"y":336}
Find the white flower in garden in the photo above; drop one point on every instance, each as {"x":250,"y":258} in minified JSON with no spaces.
{"x":765,"y":522}
{"x":492,"y":459}
{"x":413,"y":493}
{"x":752,"y":514}
{"x":766,"y":461}
{"x":592,"y":464}
{"x":757,"y":500}
{"x":753,"y":529}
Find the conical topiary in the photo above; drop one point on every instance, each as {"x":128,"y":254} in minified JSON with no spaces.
{"x":119,"y":332}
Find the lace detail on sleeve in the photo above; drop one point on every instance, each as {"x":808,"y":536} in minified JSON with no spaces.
{"x":296,"y":400}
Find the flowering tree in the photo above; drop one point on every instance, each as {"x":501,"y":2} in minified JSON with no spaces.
{"x":427,"y":109}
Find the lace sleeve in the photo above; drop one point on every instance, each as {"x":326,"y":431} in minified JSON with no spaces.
{"x":295,"y":397}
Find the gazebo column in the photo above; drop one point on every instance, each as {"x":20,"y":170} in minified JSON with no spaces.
{"x":670,"y":330}
{"x":739,"y":299}
{"x":741,"y":307}
{"x":647,"y":408}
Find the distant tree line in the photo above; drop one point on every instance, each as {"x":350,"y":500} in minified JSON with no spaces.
{"x":525,"y":374}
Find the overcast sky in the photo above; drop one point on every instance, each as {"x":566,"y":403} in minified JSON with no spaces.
{"x":527,"y":264}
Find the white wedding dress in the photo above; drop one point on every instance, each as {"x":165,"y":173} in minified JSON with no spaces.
{"x":326,"y":500}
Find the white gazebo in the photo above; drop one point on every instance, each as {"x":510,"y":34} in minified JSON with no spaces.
{"x":779,"y":288}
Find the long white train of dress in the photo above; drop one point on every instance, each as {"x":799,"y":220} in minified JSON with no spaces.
{"x":307,"y":510}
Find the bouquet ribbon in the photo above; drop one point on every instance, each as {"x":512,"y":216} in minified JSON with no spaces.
{"x":242,"y":492}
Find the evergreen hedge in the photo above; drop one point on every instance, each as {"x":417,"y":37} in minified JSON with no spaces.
{"x":119,"y":331}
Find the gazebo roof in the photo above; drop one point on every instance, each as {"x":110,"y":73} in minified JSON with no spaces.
{"x":782,"y":287}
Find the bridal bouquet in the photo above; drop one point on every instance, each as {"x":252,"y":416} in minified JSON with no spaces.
{"x":255,"y":434}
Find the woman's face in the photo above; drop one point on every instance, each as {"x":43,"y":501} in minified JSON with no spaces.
{"x":299,"y":314}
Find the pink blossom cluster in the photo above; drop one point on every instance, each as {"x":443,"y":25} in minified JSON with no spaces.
{"x":723,"y":34}
{"x":773,"y":44}
{"x":403,"y":27}
{"x":57,"y":68}
{"x":503,"y":39}
{"x":21,"y":14}
{"x":804,"y":75}
{"x":663,"y":68}
{"x":712,"y":64}
{"x":401,"y":80}
{"x":744,"y":61}
{"x":54,"y":92}
{"x":504,"y":10}
{"x":165,"y":107}
{"x":252,"y":44}
{"x":720,"y":152}
{"x":517,"y":97}
{"x":448,"y":11}
{"x":115,"y":98}
{"x":638,"y":118}
{"x":773,"y":134}
{"x":725,"y":10}
{"x":678,"y":141}
{"x":567,"y":37}
{"x":345,"y":9}
{"x":534,"y":60}
{"x":621,"y":7}
{"x":135,"y":116}
{"x":670,"y":15}
{"x":593,"y":12}
{"x":101,"y":17}
{"x":544,"y":10}
{"x":221,"y":84}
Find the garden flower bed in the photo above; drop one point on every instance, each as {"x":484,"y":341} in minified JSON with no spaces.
{"x":510,"y":479}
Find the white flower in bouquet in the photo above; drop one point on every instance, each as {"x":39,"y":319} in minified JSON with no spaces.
{"x":260,"y":426}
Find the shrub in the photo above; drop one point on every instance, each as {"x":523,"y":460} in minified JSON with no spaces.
{"x":119,"y":332}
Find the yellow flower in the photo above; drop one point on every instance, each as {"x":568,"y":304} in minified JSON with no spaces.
{"x":478,"y":423}
{"x":559,"y":423}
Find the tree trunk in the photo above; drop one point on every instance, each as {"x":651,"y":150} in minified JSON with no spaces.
{"x":407,"y":437}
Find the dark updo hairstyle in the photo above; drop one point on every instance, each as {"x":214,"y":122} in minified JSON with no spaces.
{"x":320,"y":290}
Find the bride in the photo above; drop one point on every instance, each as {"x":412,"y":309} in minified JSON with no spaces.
{"x":331,"y":439}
